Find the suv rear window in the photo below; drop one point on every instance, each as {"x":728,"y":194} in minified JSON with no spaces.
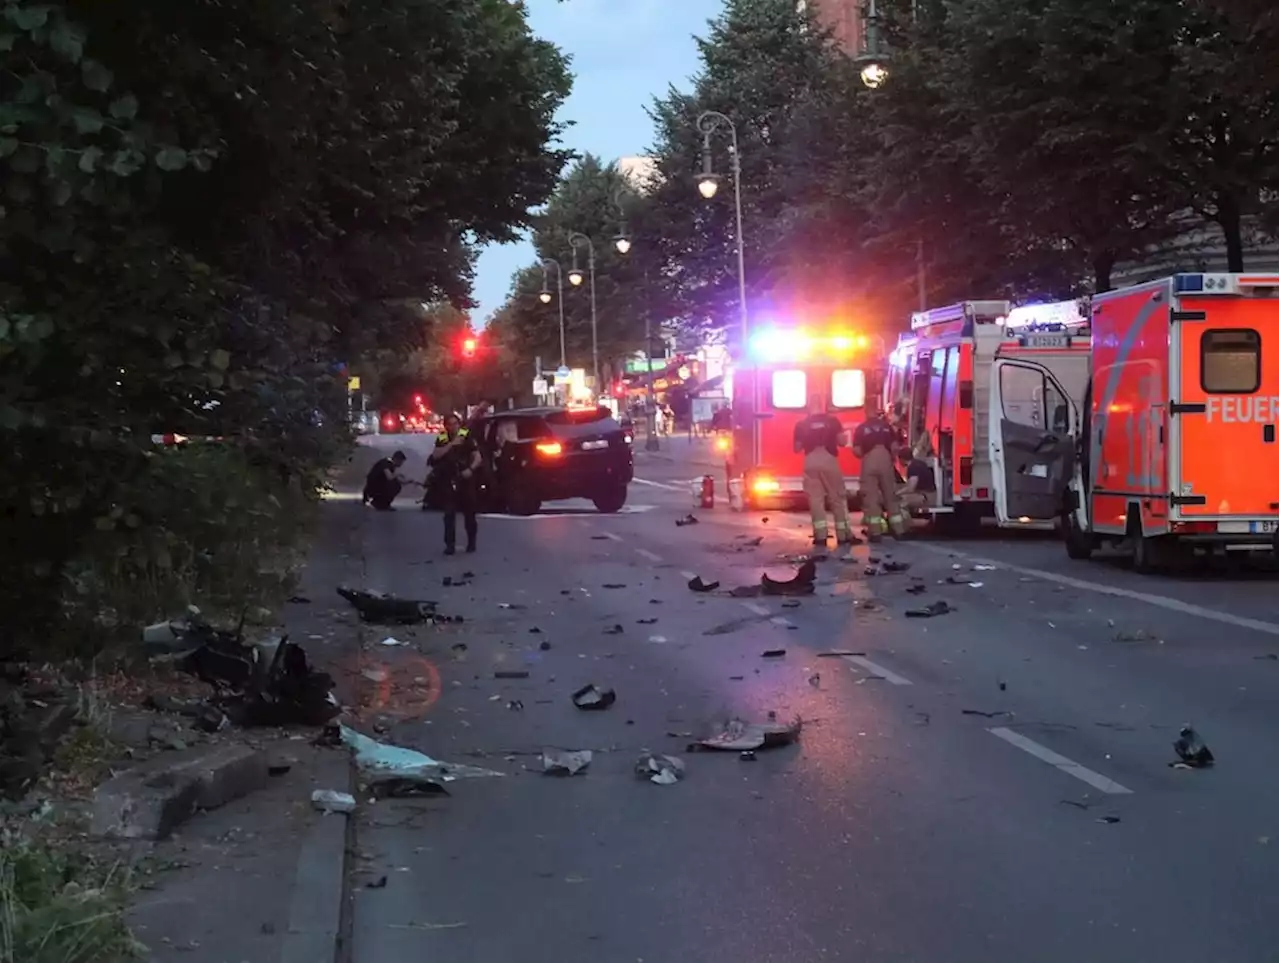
{"x":582,"y":421}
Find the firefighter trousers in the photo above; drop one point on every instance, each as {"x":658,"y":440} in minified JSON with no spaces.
{"x":824,"y":484}
{"x":881,"y":509}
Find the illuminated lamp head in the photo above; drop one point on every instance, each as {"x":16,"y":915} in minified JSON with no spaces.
{"x":841,"y":342}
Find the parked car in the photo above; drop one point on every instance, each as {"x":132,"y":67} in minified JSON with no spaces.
{"x":536,"y":455}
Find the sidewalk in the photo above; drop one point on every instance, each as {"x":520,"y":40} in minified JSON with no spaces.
{"x":261,"y":879}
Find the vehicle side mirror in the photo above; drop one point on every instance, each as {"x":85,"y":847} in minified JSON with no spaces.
{"x":1061,"y":420}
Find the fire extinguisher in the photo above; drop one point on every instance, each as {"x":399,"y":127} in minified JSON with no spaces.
{"x":707,"y":495}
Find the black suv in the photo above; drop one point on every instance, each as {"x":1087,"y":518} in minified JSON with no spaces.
{"x":536,"y":455}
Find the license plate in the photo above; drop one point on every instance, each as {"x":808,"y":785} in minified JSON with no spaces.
{"x":594,"y":445}
{"x":1263,"y":528}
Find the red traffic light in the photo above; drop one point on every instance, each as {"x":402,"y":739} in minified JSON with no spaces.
{"x":417,"y":399}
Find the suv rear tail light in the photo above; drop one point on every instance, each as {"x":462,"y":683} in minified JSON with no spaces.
{"x":763,"y":486}
{"x":549,"y":448}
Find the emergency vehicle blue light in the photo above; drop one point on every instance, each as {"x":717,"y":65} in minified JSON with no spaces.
{"x":1188,"y":282}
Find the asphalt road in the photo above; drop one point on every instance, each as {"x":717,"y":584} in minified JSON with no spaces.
{"x":988,"y":786}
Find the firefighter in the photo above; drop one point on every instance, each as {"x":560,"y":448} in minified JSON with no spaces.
{"x":456,"y":459}
{"x":819,"y":435}
{"x":874,"y":442}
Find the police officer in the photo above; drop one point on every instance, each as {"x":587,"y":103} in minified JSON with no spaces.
{"x":819,"y":435}
{"x":873,"y":442}
{"x":456,"y":459}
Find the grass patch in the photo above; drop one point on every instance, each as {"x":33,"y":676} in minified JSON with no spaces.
{"x":61,"y":907}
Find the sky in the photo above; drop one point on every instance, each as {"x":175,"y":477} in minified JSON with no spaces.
{"x":623,"y":53}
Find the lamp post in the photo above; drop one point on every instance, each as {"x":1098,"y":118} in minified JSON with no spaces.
{"x":577,"y":240}
{"x":651,"y":405}
{"x":709,"y":121}
{"x":545,"y":297}
{"x":622,"y":240}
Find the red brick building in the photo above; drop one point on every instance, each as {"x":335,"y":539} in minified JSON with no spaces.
{"x":844,"y":18}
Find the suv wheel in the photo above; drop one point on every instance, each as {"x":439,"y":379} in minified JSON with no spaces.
{"x":612,"y":501}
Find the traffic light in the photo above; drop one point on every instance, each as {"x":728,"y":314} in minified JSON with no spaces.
{"x":468,"y":347}
{"x":417,"y":399}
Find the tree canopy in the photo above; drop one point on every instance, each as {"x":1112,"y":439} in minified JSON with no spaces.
{"x":210,"y":208}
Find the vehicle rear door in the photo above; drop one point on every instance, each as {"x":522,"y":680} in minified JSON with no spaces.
{"x":1032,"y":443}
{"x":1224,"y":410}
{"x":589,"y":438}
{"x":785,"y":394}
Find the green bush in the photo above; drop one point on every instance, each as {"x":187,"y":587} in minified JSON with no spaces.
{"x":204,"y":525}
{"x":57,"y":907}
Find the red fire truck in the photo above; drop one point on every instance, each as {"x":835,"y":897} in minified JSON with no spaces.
{"x":784,"y":368}
{"x":949,"y":370}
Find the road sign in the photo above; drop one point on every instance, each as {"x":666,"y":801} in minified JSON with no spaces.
{"x":353,"y":383}
{"x":539,"y":386}
{"x":562,"y":372}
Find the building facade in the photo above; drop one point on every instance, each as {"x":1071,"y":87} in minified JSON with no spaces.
{"x":846,"y":19}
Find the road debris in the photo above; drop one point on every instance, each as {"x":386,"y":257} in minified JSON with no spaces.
{"x":646,"y":621}
{"x":985,"y":715}
{"x":791,"y":604}
{"x":752,"y":542}
{"x":687,"y":520}
{"x":941,"y":607}
{"x":696,"y":584}
{"x":205,"y":717}
{"x":839,"y":654}
{"x":511,"y":674}
{"x":799,"y":584}
{"x":740,"y":736}
{"x":544,"y":646}
{"x":892,"y":567}
{"x":1110,"y":820}
{"x":660,"y":769}
{"x":392,"y":785}
{"x":391,"y":640}
{"x":747,"y":755}
{"x":382,"y":609}
{"x":373,"y":757}
{"x":773,"y":654}
{"x":565,"y":762}
{"x":613,"y":585}
{"x":917,"y":588}
{"x":1137,"y":635}
{"x":815,"y":680}
{"x":1192,"y":750}
{"x":614,"y":629}
{"x":590,"y":697}
{"x":332,"y":801}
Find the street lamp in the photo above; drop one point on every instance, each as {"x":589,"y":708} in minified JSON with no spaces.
{"x":621,"y":241}
{"x":709,"y":121}
{"x":545,"y":296}
{"x":577,"y":240}
{"x":874,"y":72}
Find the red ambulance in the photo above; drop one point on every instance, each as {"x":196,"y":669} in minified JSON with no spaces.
{"x":945,"y":376}
{"x":1174,"y":447}
{"x":786,"y":366}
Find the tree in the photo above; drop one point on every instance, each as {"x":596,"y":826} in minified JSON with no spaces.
{"x":761,"y":62}
{"x":209,"y":209}
{"x":594,"y":200}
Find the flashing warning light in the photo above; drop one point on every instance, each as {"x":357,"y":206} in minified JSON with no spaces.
{"x":417,"y":399}
{"x":549,"y":448}
{"x":765,"y":486}
{"x":774,"y":344}
{"x":1062,"y":314}
{"x":723,"y":445}
{"x":469,"y":346}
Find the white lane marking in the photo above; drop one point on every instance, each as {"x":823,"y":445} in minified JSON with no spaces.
{"x":1162,"y":601}
{"x":757,"y":608}
{"x":651,"y":556}
{"x":1071,"y":768}
{"x":612,"y":536}
{"x":876,"y":669}
{"x":656,"y":484}
{"x":572,"y":513}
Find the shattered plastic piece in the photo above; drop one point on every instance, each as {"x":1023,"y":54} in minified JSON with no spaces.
{"x":590,"y":697}
{"x":395,"y":786}
{"x":747,"y":755}
{"x":299,"y":600}
{"x":941,"y":607}
{"x":383,"y":609}
{"x":1192,"y":750}
{"x":791,"y":604}
{"x":917,"y":589}
{"x":565,"y":762}
{"x":373,"y":756}
{"x":544,"y":646}
{"x":613,"y":585}
{"x":738,"y":736}
{"x":687,"y":520}
{"x":984,"y":568}
{"x":697,"y":585}
{"x":613,"y":630}
{"x":332,"y":801}
{"x":392,"y":640}
{"x":753,"y":542}
{"x":1111,"y":820}
{"x":773,"y":653}
{"x":800,"y":584}
{"x":511,"y":674}
{"x":646,"y":621}
{"x":660,"y":769}
{"x":658,"y":639}
{"x":985,"y":715}
{"x":839,"y":654}
{"x":815,"y":680}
